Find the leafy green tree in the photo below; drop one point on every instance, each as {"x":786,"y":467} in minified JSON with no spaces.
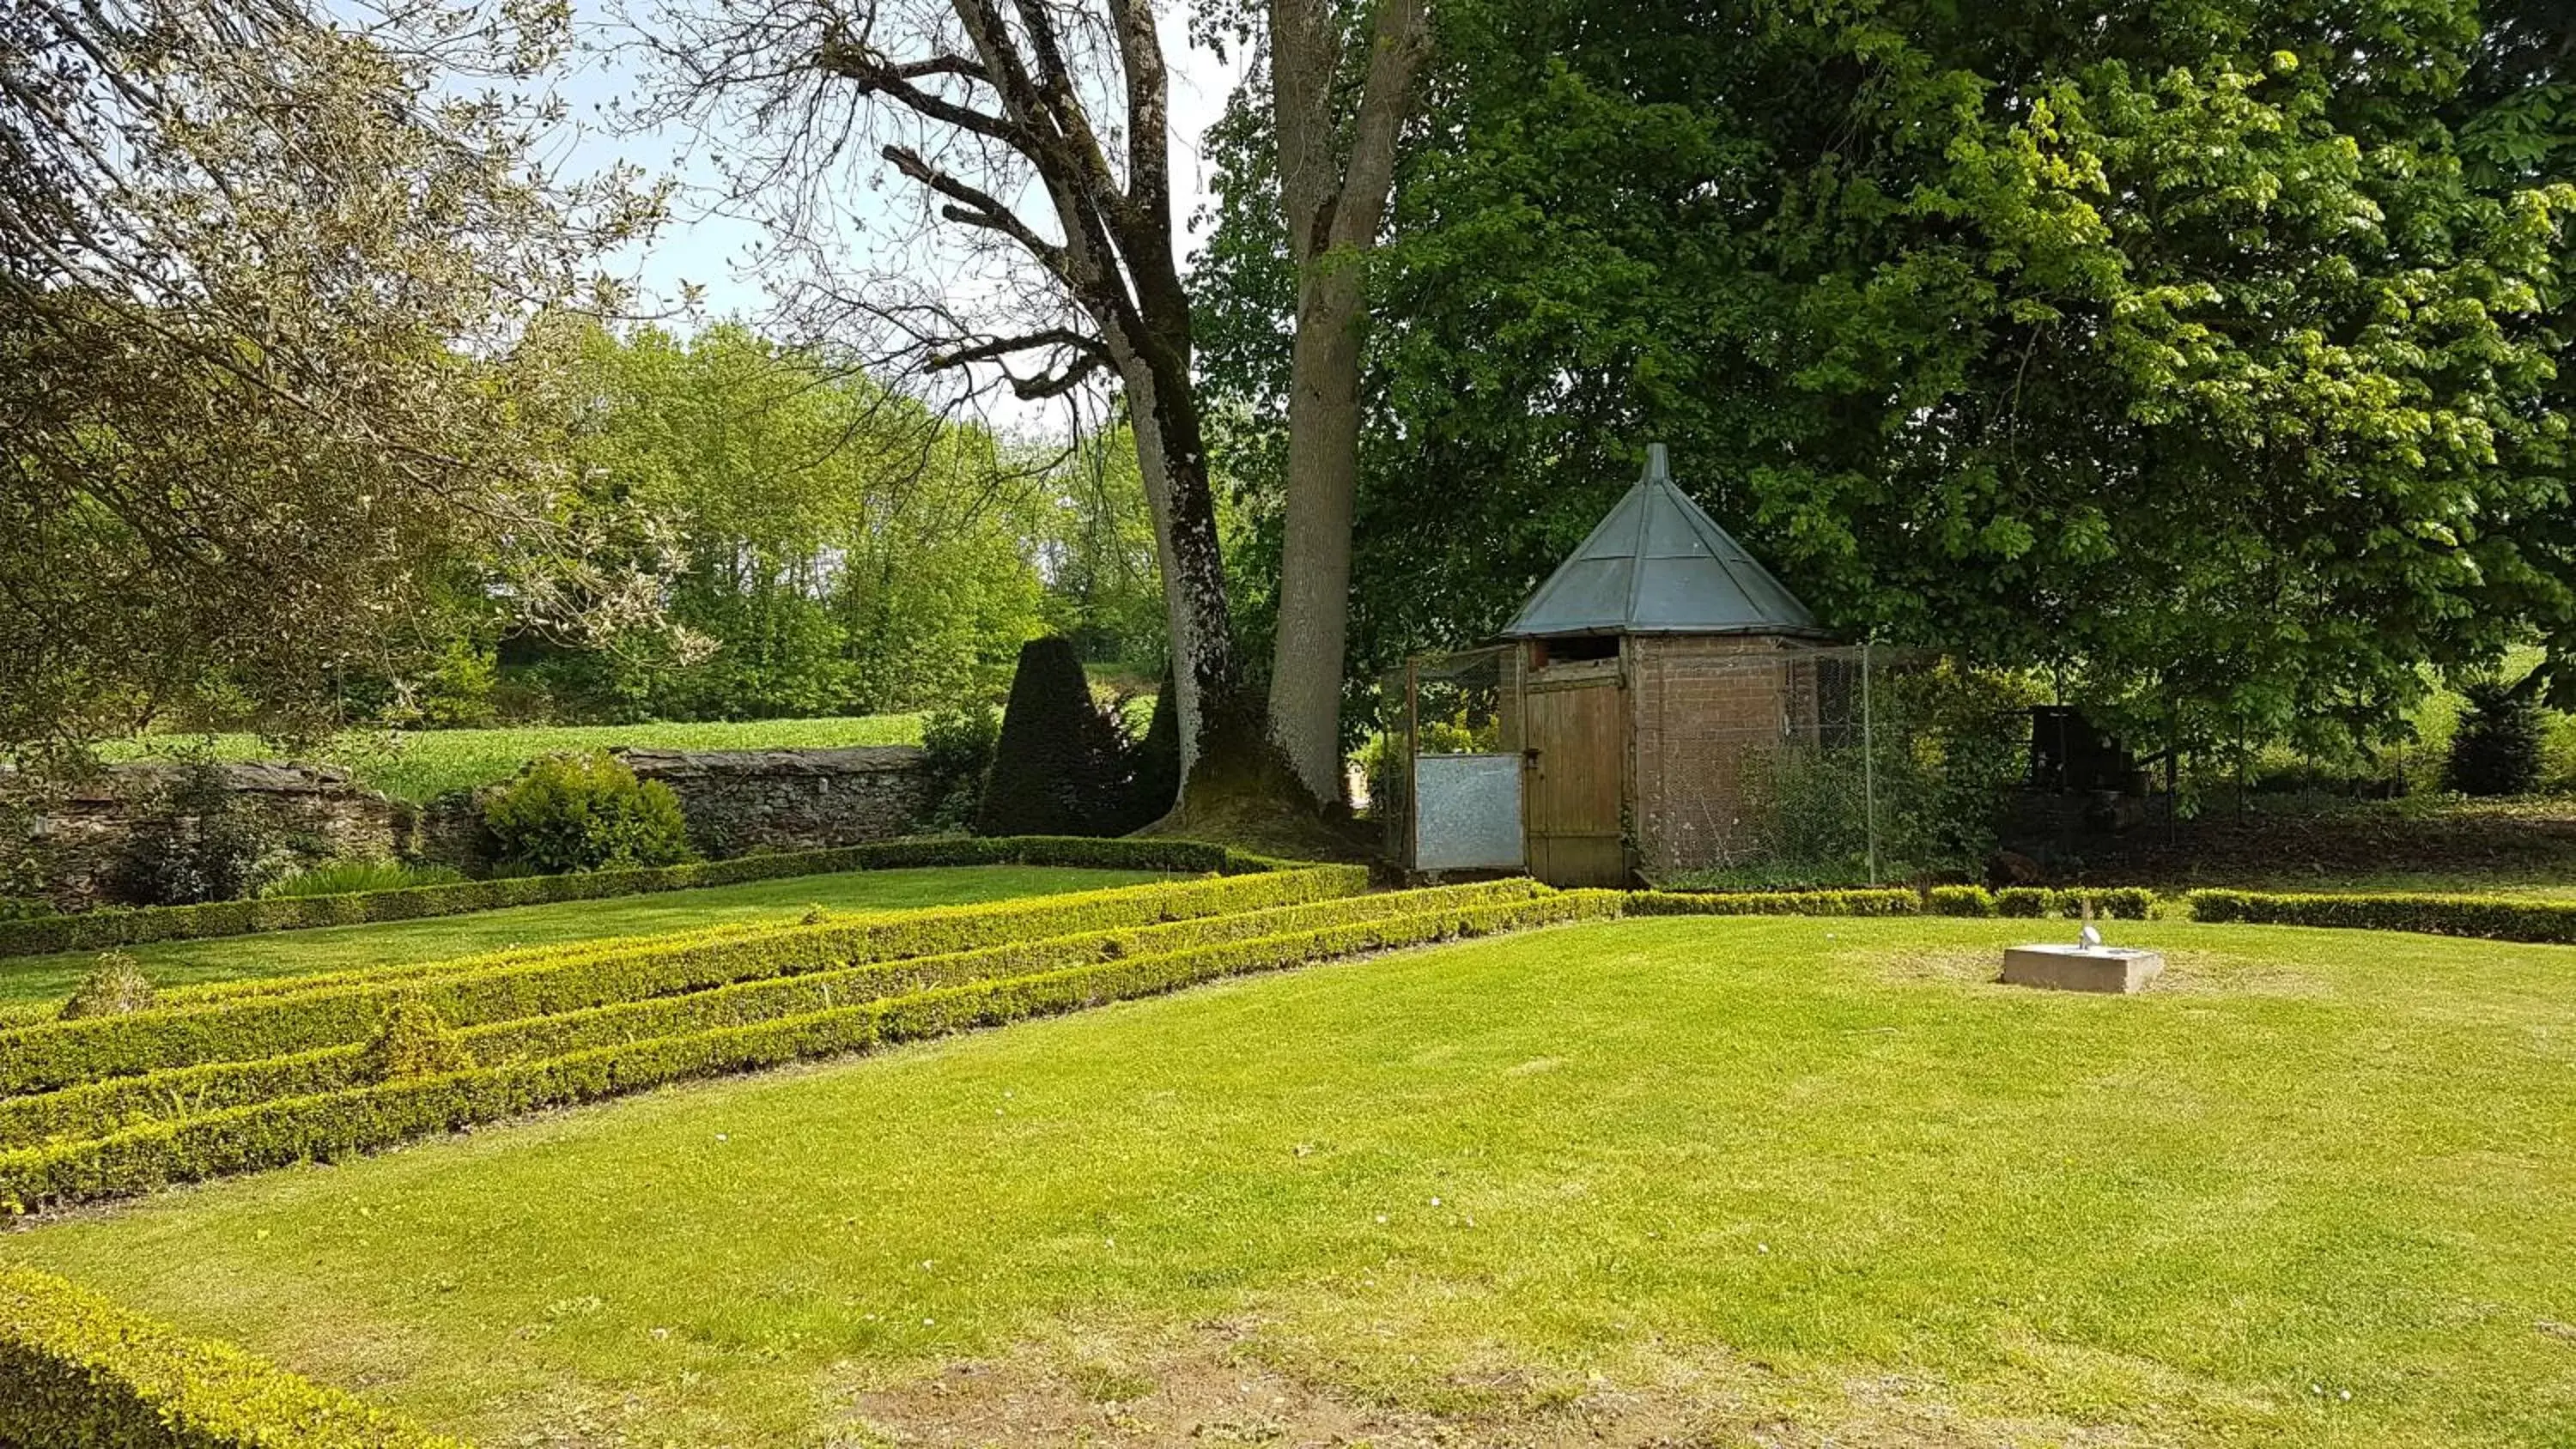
{"x":262,"y":266}
{"x":2196,"y":353}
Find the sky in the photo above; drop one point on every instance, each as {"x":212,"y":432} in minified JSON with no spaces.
{"x":708,"y":250}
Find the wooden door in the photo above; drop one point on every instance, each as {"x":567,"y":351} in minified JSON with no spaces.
{"x":1576,"y":738}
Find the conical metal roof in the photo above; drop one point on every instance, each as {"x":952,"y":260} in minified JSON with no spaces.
{"x":1659,"y":565}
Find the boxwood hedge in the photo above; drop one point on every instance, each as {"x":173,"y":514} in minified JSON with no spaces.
{"x":76,"y":1369}
{"x":95,"y":1108}
{"x":97,"y":930}
{"x":1772,"y":903}
{"x":2494,"y":918}
{"x":46,"y":1055}
{"x":334,"y":1124}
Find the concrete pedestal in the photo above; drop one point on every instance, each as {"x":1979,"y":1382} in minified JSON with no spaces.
{"x":2081,"y":968}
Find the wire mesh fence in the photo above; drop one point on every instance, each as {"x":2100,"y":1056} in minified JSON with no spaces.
{"x":1711,"y":761}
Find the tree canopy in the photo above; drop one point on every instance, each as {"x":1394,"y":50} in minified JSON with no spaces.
{"x":2203,"y":355}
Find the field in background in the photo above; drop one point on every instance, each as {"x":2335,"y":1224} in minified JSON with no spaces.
{"x":419,"y":764}
{"x":1778,"y":1181}
{"x":333,"y":948}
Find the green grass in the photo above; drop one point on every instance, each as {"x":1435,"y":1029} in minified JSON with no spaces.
{"x":417,"y":765}
{"x":331,"y":948}
{"x":1696,"y":1181}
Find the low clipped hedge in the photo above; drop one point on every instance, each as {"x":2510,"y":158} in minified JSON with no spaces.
{"x":2114,"y":903}
{"x":96,"y":1108}
{"x":336,"y":1124}
{"x":2492,"y":918}
{"x":48,"y":1055}
{"x":1771,"y":903}
{"x":98,"y":930}
{"x":76,"y":1369}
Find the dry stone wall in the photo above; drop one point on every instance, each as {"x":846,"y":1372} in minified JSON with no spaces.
{"x":739,"y":800}
{"x":72,"y":841}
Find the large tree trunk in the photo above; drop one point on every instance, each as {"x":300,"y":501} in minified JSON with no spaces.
{"x":1335,"y":204}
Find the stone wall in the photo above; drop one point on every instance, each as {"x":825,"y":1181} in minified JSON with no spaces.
{"x":72,"y":840}
{"x":739,"y":800}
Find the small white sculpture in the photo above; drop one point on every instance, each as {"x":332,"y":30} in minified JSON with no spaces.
{"x":2089,"y":938}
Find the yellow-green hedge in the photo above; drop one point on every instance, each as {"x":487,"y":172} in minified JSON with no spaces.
{"x":95,"y":930}
{"x":48,"y":1055}
{"x":1771,"y":903}
{"x":335,"y":1124}
{"x":2493,"y":918}
{"x":78,"y":1372}
{"x":96,"y":1108}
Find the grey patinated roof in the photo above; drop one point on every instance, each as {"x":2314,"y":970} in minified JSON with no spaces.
{"x":1658,"y":565}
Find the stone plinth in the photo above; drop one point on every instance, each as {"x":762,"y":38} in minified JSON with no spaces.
{"x":2115,"y":969}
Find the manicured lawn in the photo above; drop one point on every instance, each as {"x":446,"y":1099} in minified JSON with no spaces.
{"x":283,"y":953}
{"x":1683,"y":1181}
{"x":416,"y":765}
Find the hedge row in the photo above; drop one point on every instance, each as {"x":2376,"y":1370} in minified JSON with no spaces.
{"x":2116,"y":903}
{"x":97,"y":1108}
{"x":333,"y":1125}
{"x":76,"y":1369}
{"x":1771,"y":903}
{"x":2493,"y":918}
{"x":98,"y":930}
{"x":48,"y":1055}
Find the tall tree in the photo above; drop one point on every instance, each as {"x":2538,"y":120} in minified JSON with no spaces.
{"x":2179,"y":348}
{"x":1035,"y":135}
{"x":1336,"y":165}
{"x":257,"y":276}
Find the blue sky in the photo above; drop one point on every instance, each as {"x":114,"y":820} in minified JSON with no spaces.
{"x":710,"y":250}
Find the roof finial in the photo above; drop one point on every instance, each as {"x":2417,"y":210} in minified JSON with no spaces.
{"x":1659,"y":464}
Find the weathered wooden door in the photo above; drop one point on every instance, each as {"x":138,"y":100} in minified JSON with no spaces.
{"x":1576,"y":738}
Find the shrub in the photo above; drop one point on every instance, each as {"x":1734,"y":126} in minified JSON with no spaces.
{"x":1061,"y":765}
{"x":76,"y":1369}
{"x":348,"y":877}
{"x":415,"y":1041}
{"x":1158,"y":762}
{"x":114,"y":986}
{"x":958,"y":741}
{"x":202,"y":842}
{"x":2496,"y":748}
{"x":587,"y":812}
{"x":1959,"y":900}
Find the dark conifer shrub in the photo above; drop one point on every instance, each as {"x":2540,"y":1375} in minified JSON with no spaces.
{"x":2496,"y":748}
{"x":1062,"y":766}
{"x":1158,"y":762}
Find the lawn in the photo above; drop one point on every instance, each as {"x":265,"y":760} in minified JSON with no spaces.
{"x":417,"y":765}
{"x":1690,"y":1181}
{"x":331,"y":948}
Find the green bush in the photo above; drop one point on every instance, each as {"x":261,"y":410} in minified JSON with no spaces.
{"x":42,"y":936}
{"x":349,"y":877}
{"x":1959,"y":900}
{"x":76,"y":1370}
{"x":2496,"y":747}
{"x":1157,"y":784}
{"x":150,"y":1155}
{"x":957,"y":742}
{"x":587,"y":812}
{"x":1062,"y":765}
{"x":2131,"y":903}
{"x":282,"y":1017}
{"x":113,"y":987}
{"x":2493,"y":918}
{"x":200,"y":842}
{"x":415,"y":1041}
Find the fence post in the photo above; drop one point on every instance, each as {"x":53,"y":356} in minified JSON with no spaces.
{"x":1868,"y":766}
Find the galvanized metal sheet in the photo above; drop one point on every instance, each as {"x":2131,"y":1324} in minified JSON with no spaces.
{"x":1467,"y":812}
